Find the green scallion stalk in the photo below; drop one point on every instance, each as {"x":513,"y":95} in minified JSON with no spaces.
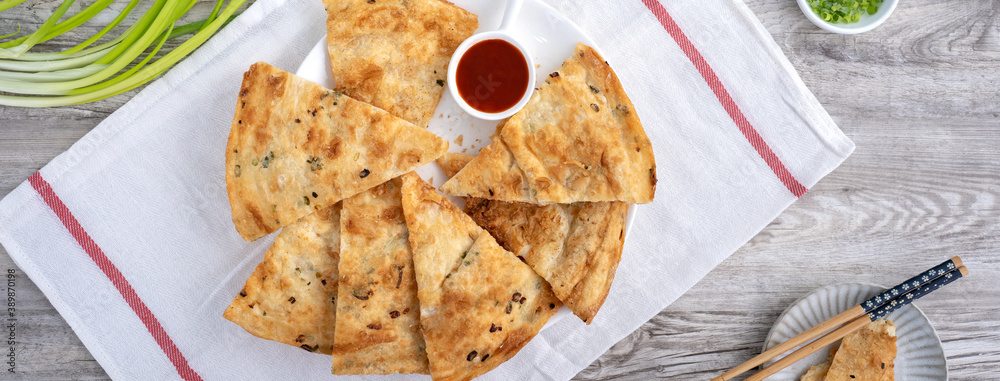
{"x":128,"y":73}
{"x":32,"y":39}
{"x":57,"y":56}
{"x":14,"y":33}
{"x":73,"y":62}
{"x":8,"y":4}
{"x":121,"y":16}
{"x":84,"y":74}
{"x":67,"y":25}
{"x":214,"y":14}
{"x":51,"y":76}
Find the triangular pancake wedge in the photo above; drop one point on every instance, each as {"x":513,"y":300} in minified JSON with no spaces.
{"x":394,"y":54}
{"x":479,"y":304}
{"x":291,"y":297}
{"x":818,"y":372}
{"x":451,"y":162}
{"x":866,"y":354}
{"x":575,"y":247}
{"x":295,"y":147}
{"x":378,"y":317}
{"x":577,"y":139}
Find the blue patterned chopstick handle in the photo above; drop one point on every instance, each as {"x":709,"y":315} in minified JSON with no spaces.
{"x":910,"y":284}
{"x":914,"y":294}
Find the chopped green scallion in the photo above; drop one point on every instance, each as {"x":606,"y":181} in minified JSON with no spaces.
{"x":844,"y":11}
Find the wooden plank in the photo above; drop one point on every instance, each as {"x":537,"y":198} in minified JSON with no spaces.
{"x":920,"y":96}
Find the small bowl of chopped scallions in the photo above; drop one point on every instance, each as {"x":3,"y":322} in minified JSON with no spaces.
{"x":847,"y":16}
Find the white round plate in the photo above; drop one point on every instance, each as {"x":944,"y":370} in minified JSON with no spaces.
{"x":545,"y":33}
{"x":919,"y":355}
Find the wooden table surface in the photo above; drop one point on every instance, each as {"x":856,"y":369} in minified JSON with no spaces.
{"x":920,"y":96}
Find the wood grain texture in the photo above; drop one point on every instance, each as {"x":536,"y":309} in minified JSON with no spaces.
{"x":920,"y":96}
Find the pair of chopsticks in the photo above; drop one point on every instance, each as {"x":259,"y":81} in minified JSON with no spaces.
{"x":853,"y":319}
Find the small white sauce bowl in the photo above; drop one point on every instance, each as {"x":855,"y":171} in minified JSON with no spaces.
{"x":513,"y":7}
{"x":867,"y":22}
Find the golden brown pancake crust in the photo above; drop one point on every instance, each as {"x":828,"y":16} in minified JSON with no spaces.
{"x":575,"y":247}
{"x":291,"y":297}
{"x":295,"y":147}
{"x":577,"y":139}
{"x":394,"y":53}
{"x":378,"y":317}
{"x":479,"y":304}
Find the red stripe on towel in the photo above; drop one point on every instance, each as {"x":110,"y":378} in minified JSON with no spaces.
{"x":708,"y":74}
{"x":97,"y":255}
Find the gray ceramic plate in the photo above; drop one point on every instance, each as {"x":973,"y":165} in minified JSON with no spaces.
{"x":919,"y":354}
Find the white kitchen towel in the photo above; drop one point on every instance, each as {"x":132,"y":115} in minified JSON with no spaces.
{"x":129,"y":235}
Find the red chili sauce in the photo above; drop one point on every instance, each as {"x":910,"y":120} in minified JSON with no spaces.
{"x":492,"y":76}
